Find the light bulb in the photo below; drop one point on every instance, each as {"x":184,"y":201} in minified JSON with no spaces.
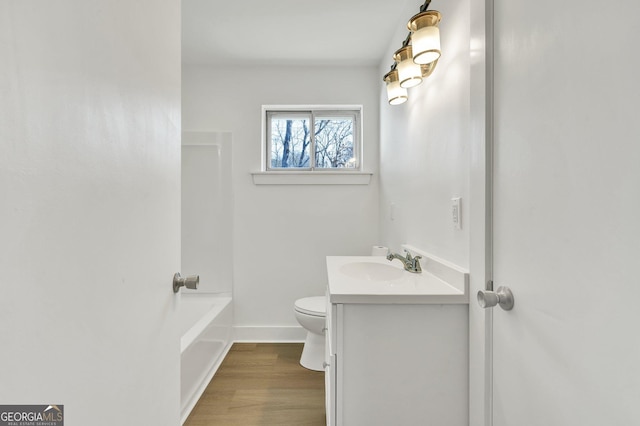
{"x":395,"y":93}
{"x":425,"y":36}
{"x":409,"y":72}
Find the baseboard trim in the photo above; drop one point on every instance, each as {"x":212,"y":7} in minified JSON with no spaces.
{"x":258,"y":334}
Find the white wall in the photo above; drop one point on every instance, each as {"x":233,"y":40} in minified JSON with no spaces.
{"x":207,"y":215}
{"x":89,"y":164}
{"x":426,"y":159}
{"x":283,"y":233}
{"x":424,"y":147}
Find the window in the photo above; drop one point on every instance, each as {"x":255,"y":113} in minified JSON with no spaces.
{"x":312,"y":139}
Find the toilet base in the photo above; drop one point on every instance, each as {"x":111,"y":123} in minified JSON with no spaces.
{"x":313,"y":352}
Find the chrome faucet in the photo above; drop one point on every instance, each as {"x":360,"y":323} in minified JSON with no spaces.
{"x":411,"y":264}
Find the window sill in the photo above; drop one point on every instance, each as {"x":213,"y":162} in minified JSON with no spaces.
{"x":311,"y":178}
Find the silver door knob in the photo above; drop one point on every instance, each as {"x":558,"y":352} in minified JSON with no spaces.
{"x":192,"y":282}
{"x":502,"y":297}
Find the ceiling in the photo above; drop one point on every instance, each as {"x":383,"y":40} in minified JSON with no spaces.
{"x":292,"y":32}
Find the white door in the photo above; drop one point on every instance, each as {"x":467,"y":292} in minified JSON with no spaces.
{"x":90,"y":208}
{"x":567,"y":213}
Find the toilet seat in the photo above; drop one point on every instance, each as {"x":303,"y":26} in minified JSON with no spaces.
{"x":314,"y":306}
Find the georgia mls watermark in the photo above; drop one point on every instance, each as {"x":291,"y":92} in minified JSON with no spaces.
{"x":31,"y":415}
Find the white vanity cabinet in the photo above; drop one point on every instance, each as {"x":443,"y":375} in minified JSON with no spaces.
{"x":330,"y":366}
{"x":395,"y":360}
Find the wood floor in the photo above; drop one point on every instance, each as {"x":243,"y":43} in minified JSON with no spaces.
{"x":262,"y":384}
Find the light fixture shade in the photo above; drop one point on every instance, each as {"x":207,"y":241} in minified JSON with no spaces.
{"x":409,"y":72}
{"x":425,"y":36}
{"x":395,"y":94}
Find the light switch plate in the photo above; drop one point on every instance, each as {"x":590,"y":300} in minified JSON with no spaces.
{"x":456,"y":213}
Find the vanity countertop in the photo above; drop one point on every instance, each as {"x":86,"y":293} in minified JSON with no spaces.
{"x":374,"y":279}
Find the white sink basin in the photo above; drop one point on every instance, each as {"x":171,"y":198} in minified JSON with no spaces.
{"x":371,"y":271}
{"x":373,"y":279}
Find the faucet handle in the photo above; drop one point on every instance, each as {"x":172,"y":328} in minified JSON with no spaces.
{"x":415,"y":263}
{"x":409,"y":257}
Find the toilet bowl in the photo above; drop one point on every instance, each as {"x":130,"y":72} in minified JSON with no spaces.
{"x":310,"y":313}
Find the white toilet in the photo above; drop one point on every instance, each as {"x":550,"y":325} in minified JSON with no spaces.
{"x":311,"y":313}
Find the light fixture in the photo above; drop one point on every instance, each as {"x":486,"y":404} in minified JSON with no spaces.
{"x":395,"y":93}
{"x":418,"y":56}
{"x":425,"y":36}
{"x":427,"y":69}
{"x":409,"y":72}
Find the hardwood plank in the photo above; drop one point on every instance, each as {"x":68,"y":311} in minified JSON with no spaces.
{"x":262,"y":384}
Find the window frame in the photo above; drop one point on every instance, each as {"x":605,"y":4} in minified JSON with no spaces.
{"x":312,"y":111}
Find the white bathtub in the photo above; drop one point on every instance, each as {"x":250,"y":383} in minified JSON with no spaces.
{"x":205,"y":321}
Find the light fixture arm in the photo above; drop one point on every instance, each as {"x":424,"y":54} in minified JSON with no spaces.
{"x":425,"y":6}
